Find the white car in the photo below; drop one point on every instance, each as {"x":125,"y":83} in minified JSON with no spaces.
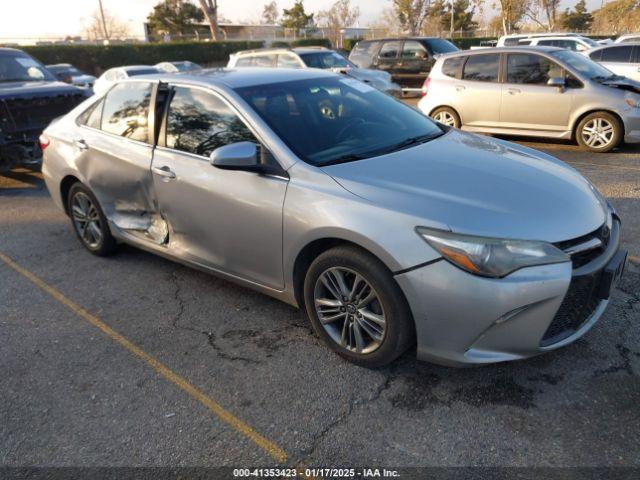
{"x":621,"y":58}
{"x":570,"y":41}
{"x":628,"y":37}
{"x":109,"y":77}
{"x":175,"y":67}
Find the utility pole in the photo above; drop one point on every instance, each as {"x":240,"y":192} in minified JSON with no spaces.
{"x":104,"y":22}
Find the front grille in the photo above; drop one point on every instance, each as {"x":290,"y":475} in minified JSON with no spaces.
{"x":580,"y":302}
{"x":24,"y":114}
{"x":582,"y":258}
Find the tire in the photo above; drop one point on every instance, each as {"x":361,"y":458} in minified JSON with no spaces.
{"x":599,"y":132}
{"x":94,"y":234}
{"x":447,"y":116}
{"x":379,"y":343}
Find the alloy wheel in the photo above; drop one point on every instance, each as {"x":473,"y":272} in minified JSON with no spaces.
{"x":350,"y":310}
{"x":598,"y":133}
{"x":446,"y":118}
{"x":86,"y":220}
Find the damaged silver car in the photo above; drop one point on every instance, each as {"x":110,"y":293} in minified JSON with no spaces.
{"x":317,"y":189}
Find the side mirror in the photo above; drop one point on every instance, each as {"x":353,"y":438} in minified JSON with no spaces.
{"x":237,"y":156}
{"x":558,"y":82}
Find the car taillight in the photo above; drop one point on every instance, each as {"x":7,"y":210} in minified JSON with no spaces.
{"x":44,"y":142}
{"x":67,"y":79}
{"x":425,"y":87}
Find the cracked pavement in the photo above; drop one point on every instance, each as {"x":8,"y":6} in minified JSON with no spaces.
{"x":69,"y":396}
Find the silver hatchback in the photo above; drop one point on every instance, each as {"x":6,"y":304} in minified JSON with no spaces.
{"x":542,"y":92}
{"x":386,"y":227}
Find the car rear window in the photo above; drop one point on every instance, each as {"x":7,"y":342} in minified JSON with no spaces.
{"x":440,"y":45}
{"x":126,"y":111}
{"x":617,"y":54}
{"x":451,"y":66}
{"x":142,"y":71}
{"x":363,"y":53}
{"x":482,"y":68}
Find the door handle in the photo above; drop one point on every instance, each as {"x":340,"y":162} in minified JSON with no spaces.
{"x":459,"y":88}
{"x":81,"y":145}
{"x":513,"y":91}
{"x":164,"y":172}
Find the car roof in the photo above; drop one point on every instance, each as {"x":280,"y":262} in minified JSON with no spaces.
{"x":514,"y":49}
{"x":11,"y":50}
{"x":239,"y":77}
{"x":613,"y":45}
{"x":261,"y":51}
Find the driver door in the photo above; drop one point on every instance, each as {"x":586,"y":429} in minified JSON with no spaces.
{"x":228,"y":220}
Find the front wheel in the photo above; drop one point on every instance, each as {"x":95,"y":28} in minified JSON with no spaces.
{"x":89,"y":221}
{"x":357,"y":308}
{"x":599,"y":132}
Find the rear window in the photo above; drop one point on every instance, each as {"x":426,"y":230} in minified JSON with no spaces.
{"x":440,"y":45}
{"x":482,"y":68}
{"x":363,"y":53}
{"x":597,"y":55}
{"x":142,"y":71}
{"x":264,"y":61}
{"x":451,"y":66}
{"x":617,"y":54}
{"x":126,"y":111}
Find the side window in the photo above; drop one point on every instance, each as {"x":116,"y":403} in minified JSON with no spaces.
{"x":617,"y":54}
{"x":126,"y":110}
{"x":413,"y":50}
{"x":91,"y":116}
{"x":389,"y":50}
{"x":264,"y":61}
{"x":524,"y":42}
{"x":550,"y":43}
{"x":451,"y":66}
{"x":596,"y":56}
{"x":198,"y":122}
{"x":531,"y":69}
{"x":288,"y":61}
{"x":244,"y":62}
{"x":482,"y":68}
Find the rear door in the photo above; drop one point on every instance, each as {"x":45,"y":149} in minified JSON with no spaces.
{"x":388,"y":58}
{"x":114,"y":149}
{"x":479,"y":91}
{"x":414,"y":65}
{"x":527,"y":101}
{"x":227,"y":220}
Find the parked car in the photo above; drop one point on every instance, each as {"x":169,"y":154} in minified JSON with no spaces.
{"x":542,"y":92}
{"x":628,"y":37}
{"x":620,"y":58}
{"x":408,"y":60}
{"x":320,"y":190}
{"x":570,"y":41}
{"x":313,"y":57}
{"x":65,"y":72}
{"x":109,"y":77}
{"x":30,"y":98}
{"x":175,"y":67}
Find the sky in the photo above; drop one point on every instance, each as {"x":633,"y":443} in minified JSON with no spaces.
{"x":66,"y":17}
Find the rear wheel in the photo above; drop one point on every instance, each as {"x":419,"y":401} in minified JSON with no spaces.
{"x":89,"y":221}
{"x":447,"y":116}
{"x":356,"y":307}
{"x":599,"y":132}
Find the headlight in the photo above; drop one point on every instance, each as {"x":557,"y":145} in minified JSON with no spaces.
{"x":491,"y":257}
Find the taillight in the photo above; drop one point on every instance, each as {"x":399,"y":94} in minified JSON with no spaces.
{"x":425,"y":87}
{"x":67,"y":79}
{"x":44,"y":142}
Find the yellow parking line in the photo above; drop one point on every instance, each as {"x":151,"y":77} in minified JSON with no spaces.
{"x":634,"y":259}
{"x":227,"y":417}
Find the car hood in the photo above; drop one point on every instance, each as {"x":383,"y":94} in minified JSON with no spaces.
{"x":479,"y":186}
{"x":624,"y":83}
{"x":33,"y":89}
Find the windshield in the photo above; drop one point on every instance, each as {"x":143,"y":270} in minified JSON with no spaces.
{"x":187,"y":66}
{"x":142,"y":71}
{"x":582,"y":64}
{"x":325,"y":60}
{"x":440,"y":45}
{"x":22,"y":68}
{"x":334,"y":120}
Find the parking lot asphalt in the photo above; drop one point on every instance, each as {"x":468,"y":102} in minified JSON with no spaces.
{"x":241,"y":368}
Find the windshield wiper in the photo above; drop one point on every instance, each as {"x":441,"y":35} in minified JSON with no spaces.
{"x":350,"y":157}
{"x":602,"y":78}
{"x":409,"y":142}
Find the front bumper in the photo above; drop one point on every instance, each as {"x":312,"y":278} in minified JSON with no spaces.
{"x":462,"y":319}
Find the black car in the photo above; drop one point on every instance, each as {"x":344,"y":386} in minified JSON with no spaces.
{"x":30,"y":97}
{"x":408,"y":60}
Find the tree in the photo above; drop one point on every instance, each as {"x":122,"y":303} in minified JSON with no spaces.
{"x":210,"y":10}
{"x":270,"y":13}
{"x":296,"y":18}
{"x":543,"y":12}
{"x":618,"y":16}
{"x":411,"y":14}
{"x":174,"y":17}
{"x":579,"y":20}
{"x":104,"y":26}
{"x":339,"y":16}
{"x":511,"y":12}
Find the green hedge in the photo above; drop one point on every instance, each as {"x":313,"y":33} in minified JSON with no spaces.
{"x":97,"y":58}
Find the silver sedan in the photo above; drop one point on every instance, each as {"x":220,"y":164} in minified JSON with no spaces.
{"x":389,"y":229}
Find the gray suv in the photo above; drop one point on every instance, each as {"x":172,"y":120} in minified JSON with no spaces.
{"x":543,"y":92}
